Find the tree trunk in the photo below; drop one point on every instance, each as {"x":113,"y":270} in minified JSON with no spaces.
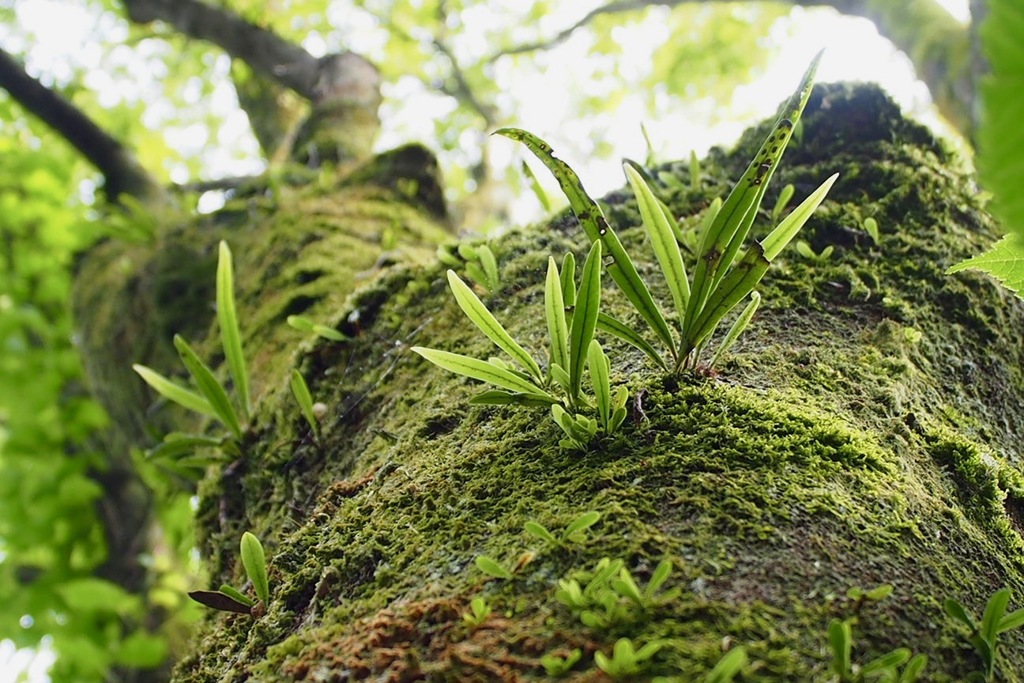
{"x":865,"y":430}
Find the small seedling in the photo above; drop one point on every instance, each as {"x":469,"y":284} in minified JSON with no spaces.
{"x":303,"y":324}
{"x":557,"y":666}
{"x":492,"y":567}
{"x":212,"y":399}
{"x":627,"y":661}
{"x":229,"y":599}
{"x":610,"y":595}
{"x":871,"y":228}
{"x":721,"y":278}
{"x":782,"y":202}
{"x":727,"y":668}
{"x":478,"y":612}
{"x":804,"y":249}
{"x":571,"y":534}
{"x":885,"y":668}
{"x":479,"y":262}
{"x":984,"y":636}
{"x":861,"y":596}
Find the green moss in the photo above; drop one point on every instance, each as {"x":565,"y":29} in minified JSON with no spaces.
{"x":827,"y":451}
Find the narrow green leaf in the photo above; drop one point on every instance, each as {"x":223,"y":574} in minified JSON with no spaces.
{"x":255,"y":563}
{"x":497,"y":397}
{"x":230,"y":335}
{"x":584,"y":319}
{"x":584,"y":521}
{"x":913,"y":669}
{"x":568,"y":277}
{"x":651,"y":158}
{"x":177,"y":444}
{"x":734,"y":288}
{"x":661,"y":228}
{"x":208,"y":385}
{"x":608,"y":324}
{"x":737,"y":328}
{"x":538,"y":190}
{"x":489,"y":325}
{"x":483,"y":371}
{"x":840,"y":636}
{"x":660,"y":575}
{"x":778,"y":238}
{"x":890,"y":660}
{"x":540,"y":531}
{"x":994,"y":611}
{"x":492,"y":568}
{"x":554,"y":306}
{"x":596,"y":226}
{"x":722,"y":240}
{"x":597,"y":362}
{"x":728,"y":666}
{"x":174,"y":392}
{"x":1011,"y":621}
{"x":305,"y":400}
{"x":236,"y":595}
{"x":957,"y":611}
{"x":694,"y":171}
{"x":490,"y":266}
{"x":782,"y":202}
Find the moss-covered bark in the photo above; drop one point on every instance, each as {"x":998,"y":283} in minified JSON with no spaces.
{"x":865,"y":430}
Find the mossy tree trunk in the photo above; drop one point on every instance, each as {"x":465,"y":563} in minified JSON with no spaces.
{"x":865,"y":430}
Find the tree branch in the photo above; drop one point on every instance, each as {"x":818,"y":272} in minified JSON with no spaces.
{"x":263,"y":50}
{"x":122,"y":172}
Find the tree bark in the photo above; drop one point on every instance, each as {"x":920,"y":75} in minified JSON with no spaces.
{"x":865,"y":430}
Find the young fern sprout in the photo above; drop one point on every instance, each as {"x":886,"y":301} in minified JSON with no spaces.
{"x":722,"y":276}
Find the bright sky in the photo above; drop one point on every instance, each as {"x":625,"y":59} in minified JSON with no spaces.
{"x":854,"y":52}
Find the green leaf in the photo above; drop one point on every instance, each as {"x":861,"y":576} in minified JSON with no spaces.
{"x":840,"y":637}
{"x":957,"y":611}
{"x":994,"y":611}
{"x":485,"y":372}
{"x":584,"y":319}
{"x":497,"y":397}
{"x":177,"y":444}
{"x":584,"y":521}
{"x":1004,"y":261}
{"x":660,"y":227}
{"x":1001,"y":136}
{"x":1011,"y":621}
{"x":728,"y":666}
{"x":597,"y":362}
{"x":230,"y":335}
{"x":737,"y":328}
{"x":489,"y":325}
{"x":780,"y":204}
{"x":236,"y":595}
{"x":596,"y":226}
{"x":538,"y":190}
{"x":541,"y":532}
{"x":305,"y":400}
{"x":608,"y":324}
{"x":568,"y":277}
{"x":208,"y":385}
{"x":492,"y":568}
{"x":778,"y":238}
{"x":660,"y":575}
{"x":734,"y":288}
{"x":722,"y":240}
{"x":490,"y":267}
{"x":890,"y":660}
{"x":174,"y":392}
{"x":554,"y":306}
{"x":913,"y":669}
{"x":255,"y":563}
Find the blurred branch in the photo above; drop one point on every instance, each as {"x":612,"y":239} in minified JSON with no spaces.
{"x":122,"y":172}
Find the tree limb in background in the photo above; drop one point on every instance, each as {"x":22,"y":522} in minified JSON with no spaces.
{"x":122,"y":172}
{"x":344,"y":88}
{"x":938,"y":45}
